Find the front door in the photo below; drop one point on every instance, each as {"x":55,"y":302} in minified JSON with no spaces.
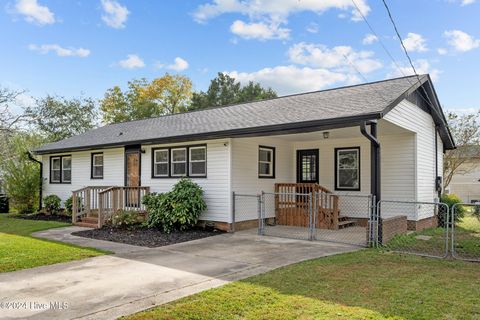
{"x":132,"y":177}
{"x":307,"y":166}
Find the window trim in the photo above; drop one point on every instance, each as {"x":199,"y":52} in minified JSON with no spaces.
{"x":92,"y":165}
{"x":357,"y":149}
{"x":51,"y":181}
{"x":154,"y":150}
{"x":187,"y":172}
{"x":273,"y":162}
{"x":190,"y":161}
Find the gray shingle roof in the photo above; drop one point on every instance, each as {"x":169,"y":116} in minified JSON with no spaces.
{"x":320,"y":107}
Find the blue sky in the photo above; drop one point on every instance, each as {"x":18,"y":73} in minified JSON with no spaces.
{"x":73,"y":47}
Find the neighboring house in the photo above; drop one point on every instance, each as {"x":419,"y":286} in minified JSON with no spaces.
{"x":465,"y":182}
{"x":325,"y":137}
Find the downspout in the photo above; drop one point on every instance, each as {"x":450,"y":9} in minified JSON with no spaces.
{"x":40,"y":182}
{"x":375,"y":181}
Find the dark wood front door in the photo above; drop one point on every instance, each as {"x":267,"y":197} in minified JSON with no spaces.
{"x":132,"y":177}
{"x":307,"y":166}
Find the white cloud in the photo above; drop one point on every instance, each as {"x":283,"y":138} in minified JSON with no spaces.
{"x":133,"y":61}
{"x":293,"y":79}
{"x":312,"y":27}
{"x":461,"y":41}
{"x":415,"y":42}
{"x":268,"y":17}
{"x":369,"y":39}
{"x":259,"y":30}
{"x":115,"y":15}
{"x":280,"y":8}
{"x":467,"y":2}
{"x":422,"y":66}
{"x":33,"y":12}
{"x":60,"y":51}
{"x":178,"y":65}
{"x":320,"y":56}
{"x":442,"y":51}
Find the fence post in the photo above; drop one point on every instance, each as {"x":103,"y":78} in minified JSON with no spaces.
{"x":261,"y":204}
{"x":310,"y":210}
{"x":232,"y":228}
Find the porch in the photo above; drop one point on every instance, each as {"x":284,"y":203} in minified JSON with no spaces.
{"x":92,"y":206}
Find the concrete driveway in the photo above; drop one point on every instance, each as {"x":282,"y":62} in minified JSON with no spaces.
{"x":107,"y":287}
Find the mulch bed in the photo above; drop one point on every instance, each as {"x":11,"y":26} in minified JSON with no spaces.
{"x":43,"y":217}
{"x":146,"y":237}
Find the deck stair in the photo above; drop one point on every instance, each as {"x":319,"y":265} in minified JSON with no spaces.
{"x":343,"y":222}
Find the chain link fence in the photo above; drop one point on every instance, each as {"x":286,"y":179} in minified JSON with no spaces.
{"x":245,"y":211}
{"x":419,"y":228}
{"x":353,"y":223}
{"x":287,"y":215}
{"x":466,"y":231}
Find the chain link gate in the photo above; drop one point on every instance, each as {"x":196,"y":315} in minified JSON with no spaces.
{"x":419,"y":228}
{"x":245,"y":211}
{"x":287,"y":215}
{"x":466,"y":231}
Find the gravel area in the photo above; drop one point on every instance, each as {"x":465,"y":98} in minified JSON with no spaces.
{"x":146,"y":237}
{"x":43,"y":217}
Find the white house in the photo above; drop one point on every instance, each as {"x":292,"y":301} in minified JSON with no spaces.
{"x":465,"y":182}
{"x":383,"y":138}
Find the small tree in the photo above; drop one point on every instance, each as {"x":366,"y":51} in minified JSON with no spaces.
{"x":465,"y":130}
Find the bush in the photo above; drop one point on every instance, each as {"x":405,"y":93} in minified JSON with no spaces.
{"x":52,"y":204}
{"x":178,"y":209}
{"x":451,"y":200}
{"x":69,"y":205}
{"x":126,"y":219}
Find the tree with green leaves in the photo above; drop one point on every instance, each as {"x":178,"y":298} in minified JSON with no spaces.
{"x":225,"y":90}
{"x":165,"y":95}
{"x":465,"y":130}
{"x":57,"y":118}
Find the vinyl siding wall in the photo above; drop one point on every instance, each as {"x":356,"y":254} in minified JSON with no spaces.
{"x":113,"y":172}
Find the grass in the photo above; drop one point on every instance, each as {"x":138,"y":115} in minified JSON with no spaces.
{"x":18,"y":250}
{"x":362,"y":285}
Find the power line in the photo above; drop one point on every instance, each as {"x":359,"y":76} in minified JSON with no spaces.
{"x":406,"y":53}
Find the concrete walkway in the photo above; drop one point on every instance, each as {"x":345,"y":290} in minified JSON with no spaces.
{"x":107,"y":287}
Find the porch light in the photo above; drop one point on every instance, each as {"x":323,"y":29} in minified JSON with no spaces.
{"x":326,"y":134}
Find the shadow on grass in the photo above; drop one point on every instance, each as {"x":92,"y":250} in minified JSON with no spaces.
{"x":362,"y":285}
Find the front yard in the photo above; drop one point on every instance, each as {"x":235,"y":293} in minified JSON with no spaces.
{"x":363,"y":285}
{"x":18,"y":250}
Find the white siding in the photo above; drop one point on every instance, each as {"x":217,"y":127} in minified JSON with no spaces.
{"x":216,"y":186}
{"x":466,"y":182}
{"x":411,"y":117}
{"x":245,"y":178}
{"x":113,"y":174}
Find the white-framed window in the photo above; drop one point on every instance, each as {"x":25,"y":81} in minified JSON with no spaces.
{"x":197,"y":161}
{"x":347,"y":169}
{"x":97,"y":166}
{"x":179,"y":162}
{"x":55,"y":169}
{"x":61,"y":169}
{"x":160,"y":162}
{"x":266,"y":162}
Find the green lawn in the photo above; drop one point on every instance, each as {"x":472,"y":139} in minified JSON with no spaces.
{"x":368,"y":284}
{"x":20,"y":251}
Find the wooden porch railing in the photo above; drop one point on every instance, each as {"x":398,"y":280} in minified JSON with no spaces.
{"x":85,"y":201}
{"x":114,"y":199}
{"x":293,"y":210}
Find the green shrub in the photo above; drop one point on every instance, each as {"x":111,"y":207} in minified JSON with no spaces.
{"x":126,"y":219}
{"x":450,"y":200}
{"x":178,"y":209}
{"x":69,"y":205}
{"x":51,"y":204}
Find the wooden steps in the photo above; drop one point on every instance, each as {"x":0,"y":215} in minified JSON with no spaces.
{"x":343,"y":223}
{"x":88,"y":222}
